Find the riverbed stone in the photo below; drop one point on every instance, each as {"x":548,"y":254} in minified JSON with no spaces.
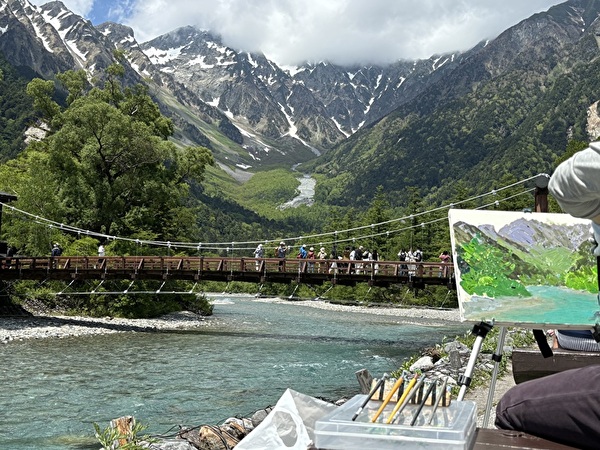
{"x":236,"y":428}
{"x":209,"y":437}
{"x":260,"y":415}
{"x":454,"y":359}
{"x":423,"y":364}
{"x":171,"y":444}
{"x":461,"y":348}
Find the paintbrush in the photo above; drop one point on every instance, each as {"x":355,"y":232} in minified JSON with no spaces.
{"x":442,"y":394}
{"x":387,"y":399}
{"x":411,"y":389}
{"x":411,"y":395}
{"x":425,"y":397}
{"x":371,"y":394}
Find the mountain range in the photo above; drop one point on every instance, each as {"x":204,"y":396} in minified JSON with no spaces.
{"x":507,"y":106}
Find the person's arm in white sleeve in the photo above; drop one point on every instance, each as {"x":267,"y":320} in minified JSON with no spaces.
{"x":576,"y":184}
{"x":576,"y":187}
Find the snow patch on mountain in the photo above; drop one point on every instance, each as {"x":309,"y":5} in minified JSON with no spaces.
{"x":161,"y":57}
{"x":200,"y":62}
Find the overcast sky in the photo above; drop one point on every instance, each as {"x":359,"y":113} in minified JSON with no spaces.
{"x":340,"y":31}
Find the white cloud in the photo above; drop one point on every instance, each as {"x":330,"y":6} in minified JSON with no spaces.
{"x":340,"y":31}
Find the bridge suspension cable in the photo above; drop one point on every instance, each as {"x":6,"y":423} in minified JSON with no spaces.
{"x":332,"y":236}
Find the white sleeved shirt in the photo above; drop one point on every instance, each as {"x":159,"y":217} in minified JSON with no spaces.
{"x":576,"y":183}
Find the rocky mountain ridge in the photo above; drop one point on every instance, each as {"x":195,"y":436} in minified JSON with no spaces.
{"x":507,"y":106}
{"x":269,"y":114}
{"x":507,"y":112}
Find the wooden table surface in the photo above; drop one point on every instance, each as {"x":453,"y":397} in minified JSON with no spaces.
{"x":489,"y":439}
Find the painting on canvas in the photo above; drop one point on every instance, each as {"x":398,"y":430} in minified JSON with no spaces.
{"x":524,"y":269}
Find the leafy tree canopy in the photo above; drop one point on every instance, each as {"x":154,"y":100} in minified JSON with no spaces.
{"x":106,"y":164}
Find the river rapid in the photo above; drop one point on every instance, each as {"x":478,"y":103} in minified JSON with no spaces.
{"x":241,"y":360}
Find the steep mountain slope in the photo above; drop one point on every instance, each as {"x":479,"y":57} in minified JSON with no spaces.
{"x":197,"y":123}
{"x":509,"y":107}
{"x":252,"y":90}
{"x":49,"y":39}
{"x":314,"y":104}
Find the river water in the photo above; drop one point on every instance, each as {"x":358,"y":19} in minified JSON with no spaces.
{"x":53,"y":390}
{"x":306,"y":193}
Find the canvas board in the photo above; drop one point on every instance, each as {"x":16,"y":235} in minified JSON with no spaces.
{"x":532,"y":270}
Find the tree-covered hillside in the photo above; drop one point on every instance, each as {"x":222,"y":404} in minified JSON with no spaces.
{"x":108,"y":165}
{"x":512,"y":108}
{"x":16,"y":109}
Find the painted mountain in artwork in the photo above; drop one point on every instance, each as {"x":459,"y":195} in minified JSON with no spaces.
{"x":526,"y":250}
{"x":524,"y":268}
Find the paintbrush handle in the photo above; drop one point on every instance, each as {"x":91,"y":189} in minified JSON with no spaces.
{"x":412,"y":388}
{"x":420,"y":408}
{"x":388,"y":397}
{"x":439,"y":400}
{"x":371,"y":394}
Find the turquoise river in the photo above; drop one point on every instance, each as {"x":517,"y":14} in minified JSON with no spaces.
{"x":54,"y":390}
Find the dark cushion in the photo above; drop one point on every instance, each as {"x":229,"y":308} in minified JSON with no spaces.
{"x":563,"y":407}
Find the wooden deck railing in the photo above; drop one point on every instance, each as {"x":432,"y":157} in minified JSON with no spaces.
{"x":380,"y":273}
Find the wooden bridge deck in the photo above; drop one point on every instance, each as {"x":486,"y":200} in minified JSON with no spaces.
{"x":342,"y":272}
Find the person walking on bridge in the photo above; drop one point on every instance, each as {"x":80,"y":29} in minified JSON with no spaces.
{"x":280,"y":252}
{"x":445,"y":258}
{"x":322,"y":255}
{"x":311,"y":256}
{"x":302,"y":253}
{"x":259,"y":252}
{"x":56,"y":250}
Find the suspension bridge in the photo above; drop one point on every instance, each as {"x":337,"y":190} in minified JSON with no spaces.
{"x":231,"y":268}
{"x":227,"y":269}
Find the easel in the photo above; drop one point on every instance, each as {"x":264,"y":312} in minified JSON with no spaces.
{"x":481,"y":330}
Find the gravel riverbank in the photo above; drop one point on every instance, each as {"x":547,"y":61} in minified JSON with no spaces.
{"x":40,"y":326}
{"x":422,"y":316}
{"x":44,"y":326}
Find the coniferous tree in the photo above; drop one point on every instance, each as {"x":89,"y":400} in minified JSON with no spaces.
{"x":379,"y":211}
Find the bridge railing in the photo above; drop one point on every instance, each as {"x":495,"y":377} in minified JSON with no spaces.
{"x":174,"y":263}
{"x":220,"y":268}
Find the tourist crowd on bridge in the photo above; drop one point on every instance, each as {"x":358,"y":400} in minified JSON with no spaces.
{"x":336,"y":260}
{"x":349,"y":253}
